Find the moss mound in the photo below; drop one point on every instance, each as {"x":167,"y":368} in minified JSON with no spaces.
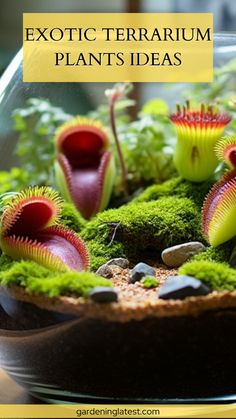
{"x":140,"y":229}
{"x":102,"y":251}
{"x":177,"y":187}
{"x":220,"y":253}
{"x":39,"y":280}
{"x":71,"y":218}
{"x":217,"y":276}
{"x":149,"y":282}
{"x":5,"y":262}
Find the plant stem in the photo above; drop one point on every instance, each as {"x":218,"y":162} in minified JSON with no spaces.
{"x":120,"y":154}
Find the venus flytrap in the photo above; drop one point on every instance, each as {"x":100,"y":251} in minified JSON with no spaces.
{"x":219,"y":209}
{"x":84,"y":166}
{"x":197,"y":134}
{"x":226,"y":150}
{"x":30,"y":229}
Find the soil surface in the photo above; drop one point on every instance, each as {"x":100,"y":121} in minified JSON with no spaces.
{"x":135,"y":302}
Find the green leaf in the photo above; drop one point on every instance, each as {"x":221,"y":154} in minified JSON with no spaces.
{"x":155,"y":107}
{"x":36,"y":124}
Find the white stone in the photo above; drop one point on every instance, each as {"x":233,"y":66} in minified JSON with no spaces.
{"x":176,"y":256}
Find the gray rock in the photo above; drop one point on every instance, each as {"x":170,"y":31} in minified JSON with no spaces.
{"x":105,"y":271}
{"x":175,"y":256}
{"x":141,"y":270}
{"x":103,"y":295}
{"x":182,"y":286}
{"x":121,"y":262}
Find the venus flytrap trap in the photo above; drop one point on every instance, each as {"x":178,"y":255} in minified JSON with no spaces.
{"x":226,"y":150}
{"x":5,"y":198}
{"x":84,"y":166}
{"x":30,"y":229}
{"x":219,"y":209}
{"x":197,"y":134}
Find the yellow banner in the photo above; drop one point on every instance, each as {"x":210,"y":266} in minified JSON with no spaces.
{"x":117,"y":411}
{"x":117,"y":47}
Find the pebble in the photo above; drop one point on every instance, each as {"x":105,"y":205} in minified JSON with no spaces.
{"x":176,"y":256}
{"x":182,"y":286}
{"x":121,"y":262}
{"x":105,"y":271}
{"x":103,"y":295}
{"x":141,"y":270}
{"x":232,"y":260}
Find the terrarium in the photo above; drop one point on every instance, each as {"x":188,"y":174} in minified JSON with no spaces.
{"x":117,"y":265}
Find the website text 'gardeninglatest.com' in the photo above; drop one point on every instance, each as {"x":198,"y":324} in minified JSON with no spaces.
{"x":115,"y":413}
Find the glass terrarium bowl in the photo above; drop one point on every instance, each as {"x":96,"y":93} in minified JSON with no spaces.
{"x":61,"y":358}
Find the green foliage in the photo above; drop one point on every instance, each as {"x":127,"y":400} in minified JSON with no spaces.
{"x":155,"y":107}
{"x":14,"y":180}
{"x":146,"y":143}
{"x":38,"y":280}
{"x":142,"y":228}
{"x":36,"y":124}
{"x":71,"y":218}
{"x":217,"y":276}
{"x":102,"y":112}
{"x":176,"y":187}
{"x":149,"y":282}
{"x":147,"y":149}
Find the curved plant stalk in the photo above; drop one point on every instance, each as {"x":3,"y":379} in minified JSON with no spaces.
{"x":119,"y":91}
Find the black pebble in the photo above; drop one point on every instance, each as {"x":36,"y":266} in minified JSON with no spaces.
{"x":103,"y":295}
{"x":180,"y":287}
{"x":139,"y":271}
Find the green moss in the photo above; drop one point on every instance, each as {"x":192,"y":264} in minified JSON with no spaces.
{"x":38,"y":280}
{"x":142,"y":229}
{"x":5,"y":262}
{"x":149,"y":282}
{"x":71,"y":218}
{"x":220,"y":253}
{"x":218,"y":276}
{"x":101,"y":252}
{"x":177,"y":187}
